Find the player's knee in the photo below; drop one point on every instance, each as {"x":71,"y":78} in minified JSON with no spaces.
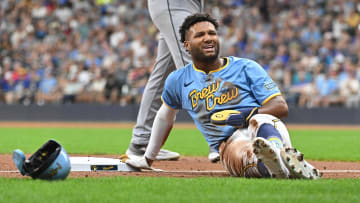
{"x":260,"y":119}
{"x":265,"y":126}
{"x":257,"y":120}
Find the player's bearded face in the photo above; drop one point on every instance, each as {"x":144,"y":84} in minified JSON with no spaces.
{"x":203,"y":42}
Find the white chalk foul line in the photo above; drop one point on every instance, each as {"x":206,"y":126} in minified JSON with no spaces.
{"x":185,"y":171}
{"x":339,"y":171}
{"x":9,"y":171}
{"x":214,"y":171}
{"x":219,"y":171}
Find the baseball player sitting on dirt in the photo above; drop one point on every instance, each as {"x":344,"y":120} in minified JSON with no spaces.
{"x":234,"y":103}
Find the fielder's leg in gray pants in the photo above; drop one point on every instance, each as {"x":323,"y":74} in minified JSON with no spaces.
{"x":167,"y":15}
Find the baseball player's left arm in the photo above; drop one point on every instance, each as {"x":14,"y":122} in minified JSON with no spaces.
{"x":162,"y":126}
{"x":265,"y":91}
{"x":276,"y":106}
{"x":240,"y":118}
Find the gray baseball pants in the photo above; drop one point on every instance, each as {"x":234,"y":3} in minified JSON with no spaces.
{"x":167,"y":15}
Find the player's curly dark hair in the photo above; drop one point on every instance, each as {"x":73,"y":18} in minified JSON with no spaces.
{"x":192,"y":20}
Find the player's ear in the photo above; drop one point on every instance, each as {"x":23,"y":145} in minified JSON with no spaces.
{"x":187,"y":46}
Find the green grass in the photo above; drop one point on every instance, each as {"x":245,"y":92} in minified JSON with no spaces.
{"x":94,"y":140}
{"x":135,"y":189}
{"x":74,"y":140}
{"x":316,"y":144}
{"x":328,"y":144}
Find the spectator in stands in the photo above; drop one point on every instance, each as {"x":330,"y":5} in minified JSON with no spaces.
{"x":97,"y":87}
{"x":327,"y":89}
{"x":350,"y":86}
{"x":48,"y":90}
{"x":115,"y":82}
{"x":7,"y":82}
{"x":45,"y":36}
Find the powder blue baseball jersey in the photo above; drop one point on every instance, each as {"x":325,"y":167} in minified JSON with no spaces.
{"x":239,"y":83}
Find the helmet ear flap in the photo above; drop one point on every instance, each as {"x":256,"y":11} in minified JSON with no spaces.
{"x":19,"y":159}
{"x":50,"y":162}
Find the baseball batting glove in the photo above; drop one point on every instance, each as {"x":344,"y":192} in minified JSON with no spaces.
{"x":236,"y":118}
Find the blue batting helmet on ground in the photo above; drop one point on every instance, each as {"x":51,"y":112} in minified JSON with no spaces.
{"x":50,"y":162}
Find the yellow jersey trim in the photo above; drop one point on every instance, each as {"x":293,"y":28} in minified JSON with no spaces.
{"x":272,"y":96}
{"x":166,"y":103}
{"x":243,"y":170}
{"x":251,"y":114}
{"x":213,"y":71}
{"x":274,"y":138}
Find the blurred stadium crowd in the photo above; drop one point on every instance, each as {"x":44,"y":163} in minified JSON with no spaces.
{"x":102,"y":51}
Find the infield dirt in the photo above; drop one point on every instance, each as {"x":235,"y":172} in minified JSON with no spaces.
{"x":188,"y":167}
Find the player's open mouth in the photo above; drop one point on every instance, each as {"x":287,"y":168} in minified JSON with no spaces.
{"x":209,"y":48}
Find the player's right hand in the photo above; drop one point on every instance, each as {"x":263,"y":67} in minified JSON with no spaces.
{"x":141,"y":163}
